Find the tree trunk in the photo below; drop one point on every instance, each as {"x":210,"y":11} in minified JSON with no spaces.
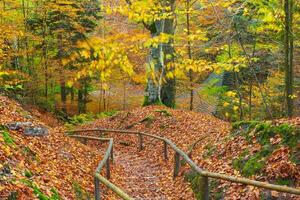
{"x":189,"y":54}
{"x":289,"y":48}
{"x":155,"y":66}
{"x":63,"y":92}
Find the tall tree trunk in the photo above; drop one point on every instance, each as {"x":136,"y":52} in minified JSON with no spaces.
{"x":158,"y":67}
{"x":63,"y":92}
{"x":289,"y":47}
{"x":189,"y":54}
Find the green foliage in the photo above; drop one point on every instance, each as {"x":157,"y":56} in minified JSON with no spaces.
{"x":106,"y":114}
{"x":286,"y":182}
{"x":80,"y":193}
{"x":217,"y":192}
{"x":263,"y":131}
{"x":8,"y":140}
{"x":210,"y":149}
{"x":39,"y":194}
{"x":81,"y":118}
{"x":250,"y":165}
{"x":28,"y":173}
{"x":194,"y":178}
{"x":147,"y":102}
{"x":87,"y":117}
{"x":13,"y":196}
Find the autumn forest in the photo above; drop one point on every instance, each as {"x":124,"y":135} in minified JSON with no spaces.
{"x":149,"y":99}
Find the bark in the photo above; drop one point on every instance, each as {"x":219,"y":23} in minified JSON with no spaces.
{"x":63,"y":92}
{"x":189,"y":55}
{"x":289,"y":48}
{"x":155,"y":66}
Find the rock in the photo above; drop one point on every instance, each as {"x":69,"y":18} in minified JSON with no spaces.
{"x":18,"y":125}
{"x":29,"y":128}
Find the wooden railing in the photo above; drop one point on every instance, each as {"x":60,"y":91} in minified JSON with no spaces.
{"x":203,"y":182}
{"x":105,"y":161}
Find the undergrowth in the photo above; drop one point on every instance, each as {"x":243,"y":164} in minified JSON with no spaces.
{"x":39,"y":194}
{"x":87,"y":117}
{"x":263,"y":132}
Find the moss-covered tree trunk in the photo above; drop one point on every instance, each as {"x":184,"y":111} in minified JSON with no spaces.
{"x":164,"y":93}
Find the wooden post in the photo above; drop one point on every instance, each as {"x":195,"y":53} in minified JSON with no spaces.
{"x":107,"y":169}
{"x":97,"y":189}
{"x":176,"y":164}
{"x":203,"y":187}
{"x":165,"y":150}
{"x":140,"y":142}
{"x":112,"y":154}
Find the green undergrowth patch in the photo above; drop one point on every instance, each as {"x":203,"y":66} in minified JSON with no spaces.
{"x":250,"y":165}
{"x":39,"y":194}
{"x":216,"y":192}
{"x":81,"y":194}
{"x":263,"y":132}
{"x":209,"y":150}
{"x":8,"y":140}
{"x":87,"y":117}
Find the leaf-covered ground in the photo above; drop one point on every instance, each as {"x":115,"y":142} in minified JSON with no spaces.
{"x":32,"y":166}
{"x":216,"y":148}
{"x":57,"y":165}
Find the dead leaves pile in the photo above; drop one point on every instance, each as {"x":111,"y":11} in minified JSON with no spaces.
{"x":54,"y":161}
{"x":215,"y":152}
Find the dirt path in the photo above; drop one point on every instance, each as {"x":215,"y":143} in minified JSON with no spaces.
{"x":141,"y":178}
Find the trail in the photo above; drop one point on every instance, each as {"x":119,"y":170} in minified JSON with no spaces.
{"x":144,"y":175}
{"x":141,"y":176}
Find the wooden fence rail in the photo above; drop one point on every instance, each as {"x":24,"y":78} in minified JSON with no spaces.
{"x":105,"y":161}
{"x":203,"y":181}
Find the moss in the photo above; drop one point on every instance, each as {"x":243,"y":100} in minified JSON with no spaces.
{"x":8,"y":140}
{"x":283,"y":181}
{"x":254,"y":164}
{"x":28,"y":173}
{"x":289,"y":134}
{"x":39,"y":194}
{"x":263,"y":131}
{"x":210,"y":149}
{"x":193,"y":177}
{"x":215,"y":191}
{"x":80,"y":193}
{"x":165,"y":112}
{"x":148,"y":103}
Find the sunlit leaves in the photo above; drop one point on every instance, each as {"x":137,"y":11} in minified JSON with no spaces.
{"x":105,"y":57}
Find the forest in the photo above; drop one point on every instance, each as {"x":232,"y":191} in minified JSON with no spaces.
{"x":97,"y":95}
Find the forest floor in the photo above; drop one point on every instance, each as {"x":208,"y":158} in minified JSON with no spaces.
{"x":34,"y":166}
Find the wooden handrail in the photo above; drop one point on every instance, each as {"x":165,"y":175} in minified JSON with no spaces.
{"x":197,"y":168}
{"x":113,"y":187}
{"x":104,"y":161}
